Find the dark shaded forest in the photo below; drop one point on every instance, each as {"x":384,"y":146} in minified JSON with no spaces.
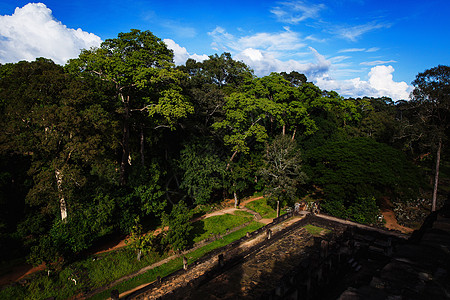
{"x":120,"y":137}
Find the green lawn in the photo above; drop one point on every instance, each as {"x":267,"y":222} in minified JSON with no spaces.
{"x":217,"y":225}
{"x":262,"y":208}
{"x":315,"y":230}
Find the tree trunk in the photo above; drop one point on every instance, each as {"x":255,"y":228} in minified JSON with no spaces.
{"x":436,"y":176}
{"x":293,"y":135}
{"x":235,"y":199}
{"x":139,"y":255}
{"x":62,"y":201}
{"x":231,"y":159}
{"x":278,"y":208}
{"x":284,"y":130}
{"x":125,"y":144}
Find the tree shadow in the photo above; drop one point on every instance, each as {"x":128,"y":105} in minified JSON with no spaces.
{"x":198,"y":228}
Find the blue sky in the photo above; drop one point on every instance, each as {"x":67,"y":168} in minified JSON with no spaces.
{"x":356,"y":47}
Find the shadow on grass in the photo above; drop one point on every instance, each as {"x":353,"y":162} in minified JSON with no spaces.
{"x":197,"y":230}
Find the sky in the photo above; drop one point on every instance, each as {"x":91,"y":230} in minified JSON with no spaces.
{"x":357,"y":48}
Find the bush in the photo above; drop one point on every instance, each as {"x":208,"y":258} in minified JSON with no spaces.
{"x":351,"y":175}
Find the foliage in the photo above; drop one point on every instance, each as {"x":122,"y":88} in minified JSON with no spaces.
{"x":141,"y":242}
{"x":203,"y":171}
{"x":87,"y":148}
{"x":281,"y":171}
{"x":360,"y":168}
{"x":179,"y":226}
{"x":364,"y":210}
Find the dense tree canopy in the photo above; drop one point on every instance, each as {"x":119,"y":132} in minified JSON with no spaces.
{"x":121,"y":134}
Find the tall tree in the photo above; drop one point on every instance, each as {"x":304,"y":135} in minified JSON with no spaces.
{"x":60,"y":123}
{"x":141,"y":68}
{"x":282,"y":170}
{"x":432,"y":95}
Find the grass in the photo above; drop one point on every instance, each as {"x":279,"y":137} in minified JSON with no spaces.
{"x":217,"y":225}
{"x":262,"y":208}
{"x":315,"y":230}
{"x":176,"y":264}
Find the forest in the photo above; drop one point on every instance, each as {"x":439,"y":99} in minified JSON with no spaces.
{"x":121,"y":138}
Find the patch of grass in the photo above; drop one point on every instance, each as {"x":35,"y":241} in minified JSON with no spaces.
{"x":177,"y":263}
{"x":242,"y":213}
{"x":262,"y":208}
{"x":315,"y":230}
{"x":217,"y":225}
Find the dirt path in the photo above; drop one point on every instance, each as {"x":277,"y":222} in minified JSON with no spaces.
{"x":391,"y":222}
{"x":21,"y":271}
{"x":389,"y":216}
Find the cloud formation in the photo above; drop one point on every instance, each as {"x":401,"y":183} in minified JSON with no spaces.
{"x":353,"y":33}
{"x":377,"y":62}
{"x":263,"y":63}
{"x":294,"y":12}
{"x":380,"y":84}
{"x":373,"y":49}
{"x":181,"y":54}
{"x":286,"y":40}
{"x":33,"y":32}
{"x":264,"y":52}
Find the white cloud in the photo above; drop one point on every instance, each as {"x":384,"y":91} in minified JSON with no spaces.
{"x":377,"y":62}
{"x":283,"y":41}
{"x":181,"y":54}
{"x":263,"y":63}
{"x":355,"y":32}
{"x":380,"y":84}
{"x":267,"y":52}
{"x":294,"y":12}
{"x":352,"y":50}
{"x":32,"y":32}
{"x":373,"y":49}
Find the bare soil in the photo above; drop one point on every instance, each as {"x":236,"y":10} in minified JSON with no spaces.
{"x":389,"y":216}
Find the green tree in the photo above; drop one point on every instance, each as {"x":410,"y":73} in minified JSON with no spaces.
{"x":64,"y":127}
{"x":203,"y":170}
{"x":179,"y":226}
{"x":432,"y":95}
{"x":282,"y":171}
{"x":141,"y":69}
{"x":360,"y":168}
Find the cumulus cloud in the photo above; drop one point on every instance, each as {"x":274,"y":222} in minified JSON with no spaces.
{"x":181,"y":54}
{"x":32,"y":32}
{"x":380,"y":84}
{"x":286,"y":40}
{"x":263,"y":63}
{"x":294,"y":12}
{"x":264,"y":52}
